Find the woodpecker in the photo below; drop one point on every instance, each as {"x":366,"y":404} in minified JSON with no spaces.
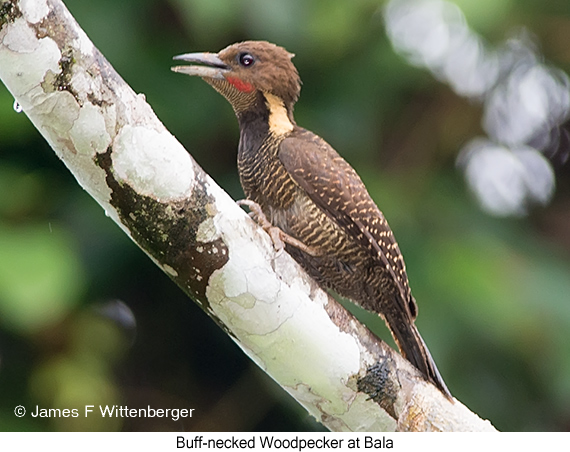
{"x":307,"y":196}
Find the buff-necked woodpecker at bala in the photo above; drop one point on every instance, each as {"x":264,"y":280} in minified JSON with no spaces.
{"x":307,"y":196}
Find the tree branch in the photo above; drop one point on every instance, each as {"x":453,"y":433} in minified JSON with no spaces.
{"x":123,"y":156}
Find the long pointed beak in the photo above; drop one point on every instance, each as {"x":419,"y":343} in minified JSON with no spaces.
{"x":208,"y":65}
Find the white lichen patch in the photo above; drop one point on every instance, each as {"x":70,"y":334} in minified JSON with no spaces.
{"x":25,"y":60}
{"x":21,"y":39}
{"x":57,"y":112}
{"x":360,"y":416}
{"x":245,"y":282}
{"x":168,"y":269}
{"x":88,"y":133}
{"x":84,"y":83}
{"x":83,"y":42}
{"x":265,"y":286}
{"x":224,"y":203}
{"x":231,"y":281}
{"x":207,"y":232}
{"x":153,"y":163}
{"x":309,"y":349}
{"x":242,"y":302}
{"x":34,"y":10}
{"x":369,"y":417}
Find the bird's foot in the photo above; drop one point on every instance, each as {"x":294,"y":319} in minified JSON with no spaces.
{"x":278,"y":237}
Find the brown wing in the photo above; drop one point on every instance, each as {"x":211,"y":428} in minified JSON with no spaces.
{"x":333,"y":185}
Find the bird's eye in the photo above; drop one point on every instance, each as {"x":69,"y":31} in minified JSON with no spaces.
{"x":246,"y":59}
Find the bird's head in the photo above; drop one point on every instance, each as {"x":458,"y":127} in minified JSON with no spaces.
{"x":242,"y":70}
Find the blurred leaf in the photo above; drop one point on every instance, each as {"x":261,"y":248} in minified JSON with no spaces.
{"x":73,"y":383}
{"x":40,"y":276}
{"x":21,"y":193}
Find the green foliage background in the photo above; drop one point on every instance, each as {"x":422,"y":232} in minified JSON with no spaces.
{"x":494,"y":294}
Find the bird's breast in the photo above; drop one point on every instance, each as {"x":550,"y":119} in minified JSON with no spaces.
{"x":263,"y":177}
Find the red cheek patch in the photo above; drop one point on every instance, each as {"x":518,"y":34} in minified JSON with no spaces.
{"x":240,"y":84}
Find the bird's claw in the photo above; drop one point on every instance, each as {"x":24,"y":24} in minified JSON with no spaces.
{"x":275,"y":234}
{"x":257,"y":215}
{"x":278,"y":237}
